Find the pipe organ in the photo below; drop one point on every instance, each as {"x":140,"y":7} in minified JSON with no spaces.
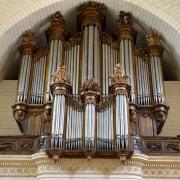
{"x":91,"y":91}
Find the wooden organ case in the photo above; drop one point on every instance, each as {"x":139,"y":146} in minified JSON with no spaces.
{"x":88,"y":94}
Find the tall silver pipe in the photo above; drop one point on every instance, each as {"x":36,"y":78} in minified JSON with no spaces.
{"x":90,"y":51}
{"x":77,"y":72}
{"x":122,"y":53}
{"x":27,"y":77}
{"x":85,"y":54}
{"x":126,"y":59}
{"x":20,"y":79}
{"x":153,"y":79}
{"x":74,"y":68}
{"x":96,"y":49}
{"x":106,"y":63}
{"x":104,"y":68}
{"x":40,"y":81}
{"x":54,"y":60}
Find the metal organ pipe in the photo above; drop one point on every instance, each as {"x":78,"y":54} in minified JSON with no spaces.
{"x":26,"y":49}
{"x":126,"y":34}
{"x":60,"y":88}
{"x":57,"y":35}
{"x":155,"y":53}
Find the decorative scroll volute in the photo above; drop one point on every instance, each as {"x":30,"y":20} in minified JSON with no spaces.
{"x":161,"y":112}
{"x":125,"y":28}
{"x":119,"y":81}
{"x":28,"y":43}
{"x":153,"y":42}
{"x":91,"y":13}
{"x":57,"y":27}
{"x":61,"y":81}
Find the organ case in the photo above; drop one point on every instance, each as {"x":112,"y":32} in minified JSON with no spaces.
{"x":91,"y":91}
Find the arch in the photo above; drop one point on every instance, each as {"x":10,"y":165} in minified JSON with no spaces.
{"x":32,"y":14}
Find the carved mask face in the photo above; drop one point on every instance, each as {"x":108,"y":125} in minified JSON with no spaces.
{"x":20,"y":115}
{"x":47,"y":114}
{"x":160,"y":116}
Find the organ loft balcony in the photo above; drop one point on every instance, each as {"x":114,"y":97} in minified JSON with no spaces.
{"x":92,"y":94}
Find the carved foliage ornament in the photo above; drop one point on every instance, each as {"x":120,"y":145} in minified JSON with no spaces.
{"x":119,"y":75}
{"x":57,"y":18}
{"x":29,"y":39}
{"x":152,"y":37}
{"x":90,"y":85}
{"x":125,"y":18}
{"x":61,"y":76}
{"x":91,"y":4}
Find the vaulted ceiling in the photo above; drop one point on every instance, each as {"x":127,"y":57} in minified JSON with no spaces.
{"x":20,"y":15}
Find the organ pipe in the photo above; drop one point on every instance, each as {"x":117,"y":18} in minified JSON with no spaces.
{"x":155,"y":53}
{"x":60,"y":88}
{"x":26,"y":49}
{"x":120,"y":88}
{"x":126,"y":35}
{"x":57,"y":35}
{"x":90,"y":96}
{"x":142,"y":76}
{"x":38,"y":77}
{"x":91,"y":17}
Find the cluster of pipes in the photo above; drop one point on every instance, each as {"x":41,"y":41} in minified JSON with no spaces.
{"x":90,"y":58}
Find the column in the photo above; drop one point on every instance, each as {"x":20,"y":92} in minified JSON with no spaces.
{"x":26,"y":50}
{"x":126,"y":36}
{"x":91,"y":17}
{"x":90,"y":96}
{"x":60,"y":88}
{"x":120,"y":89}
{"x":155,"y":53}
{"x":56,"y":33}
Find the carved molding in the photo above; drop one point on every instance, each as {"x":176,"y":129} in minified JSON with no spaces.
{"x":41,"y":165}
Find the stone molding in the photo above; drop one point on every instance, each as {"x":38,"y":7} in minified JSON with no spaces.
{"x":40,"y":165}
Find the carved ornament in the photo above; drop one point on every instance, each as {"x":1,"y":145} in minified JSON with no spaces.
{"x":90,"y":85}
{"x":57,"y":28}
{"x":153,"y":43}
{"x":61,"y":76}
{"x":119,"y":83}
{"x":125,"y":28}
{"x":119,"y":75}
{"x":28,"y":43}
{"x":91,"y":13}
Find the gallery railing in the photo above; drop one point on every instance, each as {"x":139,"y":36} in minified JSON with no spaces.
{"x":140,"y":145}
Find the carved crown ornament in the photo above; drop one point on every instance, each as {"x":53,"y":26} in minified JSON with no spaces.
{"x":61,"y":81}
{"x":91,"y":13}
{"x":61,"y":76}
{"x":125,"y":19}
{"x":91,"y":85}
{"x":28,"y":43}
{"x":119,"y":83}
{"x":119,"y":75}
{"x":152,"y":37}
{"x":57,"y":28}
